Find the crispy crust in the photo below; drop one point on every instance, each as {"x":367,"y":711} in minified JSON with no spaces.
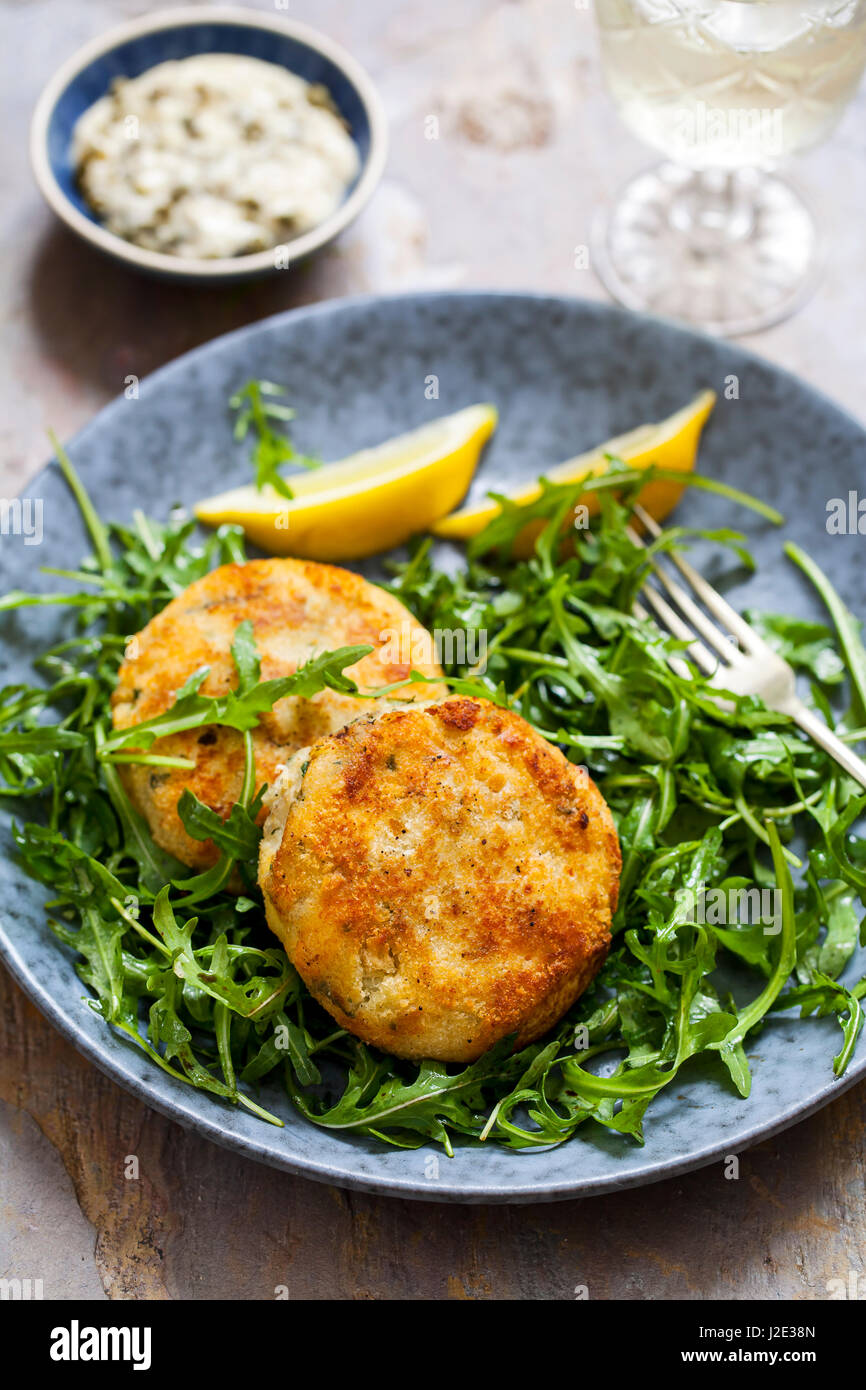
{"x":441,"y":877}
{"x":297,"y":608}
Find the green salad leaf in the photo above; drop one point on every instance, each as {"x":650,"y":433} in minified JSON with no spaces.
{"x":241,"y":707}
{"x":255,"y":408}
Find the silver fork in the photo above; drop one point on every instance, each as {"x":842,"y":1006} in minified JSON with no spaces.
{"x":740,"y":660}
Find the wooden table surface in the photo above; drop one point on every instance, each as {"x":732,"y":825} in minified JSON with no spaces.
{"x":528,"y":146}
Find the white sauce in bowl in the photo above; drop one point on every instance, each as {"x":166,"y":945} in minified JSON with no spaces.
{"x":213,"y":156}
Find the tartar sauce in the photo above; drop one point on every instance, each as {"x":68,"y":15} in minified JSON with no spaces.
{"x":213,"y":156}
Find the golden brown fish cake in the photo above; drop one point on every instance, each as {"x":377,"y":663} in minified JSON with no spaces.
{"x":441,"y":877}
{"x":297,"y":608}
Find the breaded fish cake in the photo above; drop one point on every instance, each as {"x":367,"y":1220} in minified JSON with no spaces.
{"x":441,"y":877}
{"x":297,"y":608}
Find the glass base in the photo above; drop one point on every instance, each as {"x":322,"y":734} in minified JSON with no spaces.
{"x":730,"y":252}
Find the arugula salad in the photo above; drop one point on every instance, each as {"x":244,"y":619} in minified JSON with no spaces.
{"x":705,"y":797}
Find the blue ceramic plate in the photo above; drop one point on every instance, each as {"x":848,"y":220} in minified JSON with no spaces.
{"x":183,"y":33}
{"x":565,"y":375}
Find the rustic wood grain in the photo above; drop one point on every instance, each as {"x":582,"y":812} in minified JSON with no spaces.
{"x":501,"y":197}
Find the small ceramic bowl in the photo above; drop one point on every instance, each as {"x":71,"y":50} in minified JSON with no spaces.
{"x":135,"y":47}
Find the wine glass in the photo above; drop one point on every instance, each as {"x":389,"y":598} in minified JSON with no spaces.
{"x":725,"y":89}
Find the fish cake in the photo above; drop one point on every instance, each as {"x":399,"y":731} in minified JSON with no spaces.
{"x":441,"y":877}
{"x":298,"y":608}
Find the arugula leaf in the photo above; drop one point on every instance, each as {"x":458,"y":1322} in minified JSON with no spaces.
{"x":47,"y":740}
{"x":246,"y":658}
{"x":255,"y":996}
{"x":237,"y":836}
{"x":272,"y":450}
{"x":407,"y":1113}
{"x":155,"y":865}
{"x":239,"y":709}
{"x":847,"y":626}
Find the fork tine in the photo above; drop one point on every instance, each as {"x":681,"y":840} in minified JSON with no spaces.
{"x":713,"y":601}
{"x":723,"y":644}
{"x":675,"y":662}
{"x":674,"y":623}
{"x":753,"y":670}
{"x":698,"y":619}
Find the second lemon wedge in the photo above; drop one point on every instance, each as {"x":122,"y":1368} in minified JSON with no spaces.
{"x":367,"y":502}
{"x":670,"y":443}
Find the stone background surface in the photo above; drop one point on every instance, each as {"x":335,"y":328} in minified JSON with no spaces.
{"x":528,"y":148}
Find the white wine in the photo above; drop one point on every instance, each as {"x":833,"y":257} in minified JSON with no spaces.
{"x":726,"y":84}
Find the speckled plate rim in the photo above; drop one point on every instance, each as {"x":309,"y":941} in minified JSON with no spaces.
{"x":223,"y":269}
{"x":174,"y":1101}
{"x":518,"y":1194}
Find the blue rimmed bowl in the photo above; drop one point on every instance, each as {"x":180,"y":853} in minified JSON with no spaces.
{"x":133,"y":48}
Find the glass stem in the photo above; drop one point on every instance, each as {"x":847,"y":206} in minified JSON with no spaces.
{"x":715,"y":206}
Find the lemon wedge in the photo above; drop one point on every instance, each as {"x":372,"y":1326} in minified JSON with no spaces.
{"x":367,"y":502}
{"x":670,"y":443}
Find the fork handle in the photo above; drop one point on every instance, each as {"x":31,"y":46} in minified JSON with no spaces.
{"x":821,"y":734}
